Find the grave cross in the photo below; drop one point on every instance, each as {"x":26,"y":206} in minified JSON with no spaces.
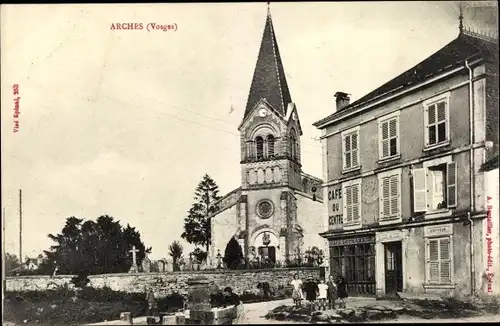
{"x":134,"y":251}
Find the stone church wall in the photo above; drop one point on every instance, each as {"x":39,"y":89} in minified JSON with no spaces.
{"x":224,"y":226}
{"x":310,"y":217}
{"x":167,"y":283}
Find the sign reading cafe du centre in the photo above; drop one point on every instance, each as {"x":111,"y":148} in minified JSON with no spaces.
{"x":335,"y":206}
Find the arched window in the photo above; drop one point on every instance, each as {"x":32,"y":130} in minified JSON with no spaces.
{"x":270,"y":146}
{"x":293,"y":144}
{"x":259,"y":143}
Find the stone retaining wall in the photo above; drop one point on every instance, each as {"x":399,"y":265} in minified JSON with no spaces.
{"x":167,"y":283}
{"x":35,"y":282}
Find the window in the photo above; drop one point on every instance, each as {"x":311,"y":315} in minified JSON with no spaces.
{"x":435,"y":187}
{"x":437,"y":121}
{"x":439,"y":260}
{"x":390,"y":194}
{"x":389,"y":136}
{"x":352,"y":202}
{"x":259,"y":143}
{"x":357,"y":263}
{"x":293,"y":144}
{"x":270,"y":146}
{"x":350,"y":146}
{"x":265,"y":209}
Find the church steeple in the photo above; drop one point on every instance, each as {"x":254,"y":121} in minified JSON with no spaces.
{"x":269,"y":80}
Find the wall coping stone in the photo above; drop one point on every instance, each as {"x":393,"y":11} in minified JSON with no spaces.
{"x":49,"y":277}
{"x":211,"y":271}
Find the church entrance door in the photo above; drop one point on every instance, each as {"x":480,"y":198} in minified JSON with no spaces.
{"x":267,"y":254}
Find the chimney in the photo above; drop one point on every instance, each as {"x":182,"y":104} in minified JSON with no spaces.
{"x":342,"y":100}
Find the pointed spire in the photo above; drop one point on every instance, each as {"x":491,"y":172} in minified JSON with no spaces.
{"x":269,"y":80}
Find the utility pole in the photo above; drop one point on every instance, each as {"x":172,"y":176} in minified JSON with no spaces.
{"x":21,"y":229}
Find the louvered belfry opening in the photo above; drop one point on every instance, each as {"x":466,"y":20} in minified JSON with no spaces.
{"x":270,"y":146}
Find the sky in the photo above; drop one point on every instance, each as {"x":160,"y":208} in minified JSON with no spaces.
{"x":127,"y":122}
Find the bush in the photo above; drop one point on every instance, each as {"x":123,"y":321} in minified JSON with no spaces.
{"x":80,"y":281}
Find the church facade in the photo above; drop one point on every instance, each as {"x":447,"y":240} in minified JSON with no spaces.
{"x":276,"y":213}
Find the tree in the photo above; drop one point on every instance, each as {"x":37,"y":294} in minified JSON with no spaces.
{"x":11,"y":263}
{"x":233,"y":255}
{"x":175,"y":251}
{"x":197,"y":229}
{"x":89,"y":247}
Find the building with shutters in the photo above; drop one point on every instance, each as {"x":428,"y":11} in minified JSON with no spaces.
{"x":276,"y":212}
{"x":404,"y":191}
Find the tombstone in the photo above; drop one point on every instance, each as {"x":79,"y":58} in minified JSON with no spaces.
{"x":146,"y":264}
{"x":133,"y":268}
{"x":189,"y":265}
{"x":161,"y":266}
{"x":168,"y":265}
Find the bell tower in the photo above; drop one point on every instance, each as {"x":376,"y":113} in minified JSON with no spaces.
{"x":271,"y":166}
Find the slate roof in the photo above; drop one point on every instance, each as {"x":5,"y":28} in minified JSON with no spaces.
{"x":269,"y":80}
{"x":452,"y":55}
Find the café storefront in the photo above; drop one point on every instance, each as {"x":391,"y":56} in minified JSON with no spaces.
{"x":354,"y":257}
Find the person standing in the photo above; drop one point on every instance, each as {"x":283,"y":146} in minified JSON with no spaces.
{"x":152,"y":304}
{"x":297,"y":290}
{"x":342,"y":291}
{"x":231,"y":298}
{"x":332,"y":292}
{"x":322,"y":294}
{"x":311,"y":289}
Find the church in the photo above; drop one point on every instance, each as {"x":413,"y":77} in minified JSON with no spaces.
{"x":277,"y":212}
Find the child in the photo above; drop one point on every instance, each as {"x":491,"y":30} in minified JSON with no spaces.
{"x":323,"y":292}
{"x":297,"y":290}
{"x":332,"y":292}
{"x":311,"y":289}
{"x":342,"y":291}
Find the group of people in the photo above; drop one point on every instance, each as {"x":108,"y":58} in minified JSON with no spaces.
{"x":322,"y":293}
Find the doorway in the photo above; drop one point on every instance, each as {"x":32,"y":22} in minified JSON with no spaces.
{"x":393,"y":267}
{"x":267,"y":254}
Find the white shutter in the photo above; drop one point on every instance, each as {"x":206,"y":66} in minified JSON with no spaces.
{"x":451,"y":184}
{"x":444,"y":260}
{"x":433,"y":260}
{"x":419,"y":190}
{"x":384,"y":139}
{"x":355,"y":202}
{"x":354,"y":150}
{"x":348,"y":204}
{"x":394,"y":191}
{"x":346,"y":148}
{"x":384,"y":197}
{"x":393,"y":134}
{"x":426,"y":126}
